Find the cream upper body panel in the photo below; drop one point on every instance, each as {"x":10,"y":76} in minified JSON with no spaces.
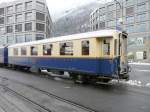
{"x":95,"y":38}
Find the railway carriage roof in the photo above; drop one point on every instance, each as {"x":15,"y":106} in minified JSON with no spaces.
{"x":2,"y":47}
{"x":99,"y":34}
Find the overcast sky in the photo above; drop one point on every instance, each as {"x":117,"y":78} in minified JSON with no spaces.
{"x":56,"y":7}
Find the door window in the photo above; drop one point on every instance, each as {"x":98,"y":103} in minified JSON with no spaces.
{"x":106,"y":47}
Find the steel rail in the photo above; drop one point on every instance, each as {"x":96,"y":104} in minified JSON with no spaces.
{"x":25,"y":98}
{"x":50,"y":95}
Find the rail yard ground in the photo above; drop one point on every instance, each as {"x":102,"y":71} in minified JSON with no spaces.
{"x":26,"y":92}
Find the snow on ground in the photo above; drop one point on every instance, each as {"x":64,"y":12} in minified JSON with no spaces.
{"x":148,"y":85}
{"x":136,"y":83}
{"x":138,"y":63}
{"x":142,"y":70}
{"x":133,"y":83}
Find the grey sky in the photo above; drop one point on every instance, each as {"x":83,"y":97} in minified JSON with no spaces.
{"x":57,"y":7}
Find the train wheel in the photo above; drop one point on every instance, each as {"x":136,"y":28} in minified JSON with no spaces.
{"x":103,"y":80}
{"x":80,"y":79}
{"x":48,"y":70}
{"x":35,"y":70}
{"x":27,"y":69}
{"x":106,"y":80}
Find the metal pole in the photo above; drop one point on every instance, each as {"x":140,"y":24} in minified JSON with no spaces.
{"x":121,"y":7}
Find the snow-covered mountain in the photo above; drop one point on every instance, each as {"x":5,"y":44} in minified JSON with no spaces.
{"x":74,"y":21}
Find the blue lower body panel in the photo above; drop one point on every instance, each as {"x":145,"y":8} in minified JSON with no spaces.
{"x":93,"y":66}
{"x":4,"y":55}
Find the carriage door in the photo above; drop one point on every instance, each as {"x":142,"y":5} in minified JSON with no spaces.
{"x":123,"y":53}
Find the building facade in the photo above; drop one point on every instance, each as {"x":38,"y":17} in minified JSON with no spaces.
{"x":135,"y":18}
{"x":24,"y":21}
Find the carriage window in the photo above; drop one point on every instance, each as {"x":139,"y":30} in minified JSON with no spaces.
{"x":106,"y":48}
{"x":34,"y":50}
{"x":23,"y":51}
{"x":115,"y":47}
{"x":15,"y":51}
{"x":47,"y":49}
{"x":85,"y":47}
{"x":66,"y":48}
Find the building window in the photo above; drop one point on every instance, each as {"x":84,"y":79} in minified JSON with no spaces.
{"x":118,"y":13}
{"x":96,"y":26}
{"x":140,"y":41}
{"x":23,"y":51}
{"x":141,"y":7}
{"x":130,"y":19}
{"x":85,"y":47}
{"x":18,"y":7}
{"x":142,"y":17}
{"x":66,"y":48}
{"x":102,"y":9}
{"x":18,"y":28}
{"x":10,"y":39}
{"x":39,"y":36}
{"x":106,"y":47}
{"x":28,"y":37}
{"x":40,"y":27}
{"x":20,"y":39}
{"x":102,"y":25}
{"x":15,"y":51}
{"x":1,"y":11}
{"x":102,"y":17}
{"x":28,"y":16}
{"x":142,"y":27}
{"x":2,"y":40}
{"x":139,"y":1}
{"x":93,"y":27}
{"x":96,"y":18}
{"x":34,"y":50}
{"x":130,"y":29}
{"x":130,"y":2}
{"x":48,"y":31}
{"x":28,"y":26}
{"x":129,"y":11}
{"x":28,"y":5}
{"x":47,"y":49}
{"x":110,"y":15}
{"x":10,"y":10}
{"x":2,"y":30}
{"x":110,"y":7}
{"x":40,"y":6}
{"x":9,"y":29}
{"x":144,"y":55}
{"x":111,"y":23}
{"x":97,"y":11}
{"x":47,"y":21}
{"x":19,"y":18}
{"x":2,"y":20}
{"x":40,"y":16}
{"x":9,"y":19}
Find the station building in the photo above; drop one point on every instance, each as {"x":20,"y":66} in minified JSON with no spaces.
{"x":24,"y":21}
{"x":135,"y":21}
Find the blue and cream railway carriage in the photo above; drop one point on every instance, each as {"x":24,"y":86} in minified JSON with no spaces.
{"x":99,"y":55}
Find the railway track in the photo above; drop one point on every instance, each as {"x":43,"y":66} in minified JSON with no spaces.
{"x":4,"y":103}
{"x":44,"y":108}
{"x":39,"y":106}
